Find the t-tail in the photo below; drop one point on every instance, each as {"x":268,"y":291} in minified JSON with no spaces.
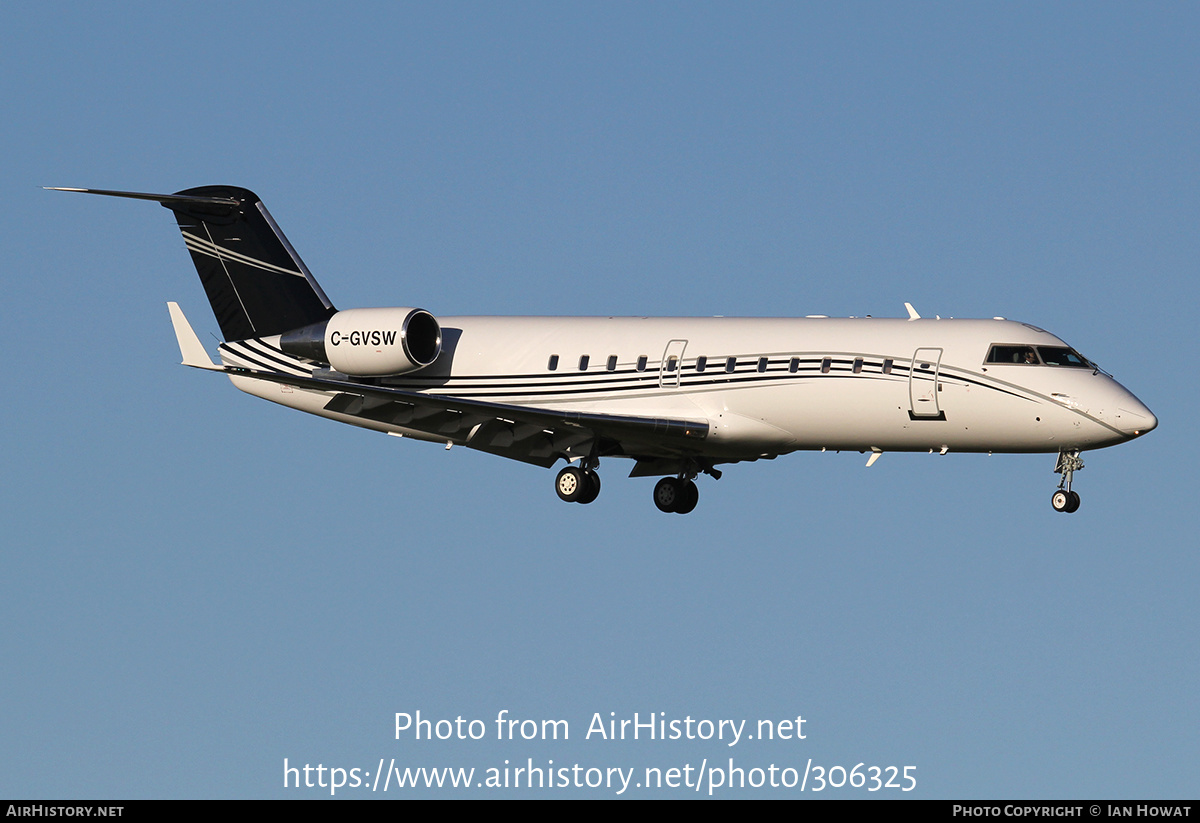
{"x":256,"y":283}
{"x":272,"y":313}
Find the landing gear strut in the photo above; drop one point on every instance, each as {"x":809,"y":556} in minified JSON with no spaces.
{"x":1065,"y":500}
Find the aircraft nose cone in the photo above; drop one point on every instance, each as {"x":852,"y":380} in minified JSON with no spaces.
{"x":1151,"y":422}
{"x":1134,"y":418}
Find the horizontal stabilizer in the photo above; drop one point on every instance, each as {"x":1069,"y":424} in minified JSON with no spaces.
{"x":190,"y":347}
{"x":171,"y":201}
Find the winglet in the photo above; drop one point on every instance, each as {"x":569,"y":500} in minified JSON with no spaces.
{"x":190,"y":347}
{"x":912,"y":313}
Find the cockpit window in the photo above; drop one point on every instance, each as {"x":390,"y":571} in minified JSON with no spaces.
{"x":1062,"y":356}
{"x":1037,"y":355}
{"x":1012,"y":354}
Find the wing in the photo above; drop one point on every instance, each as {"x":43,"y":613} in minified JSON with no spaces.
{"x":526,"y":433}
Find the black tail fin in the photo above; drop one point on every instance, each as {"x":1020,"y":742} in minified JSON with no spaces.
{"x":258,"y":286}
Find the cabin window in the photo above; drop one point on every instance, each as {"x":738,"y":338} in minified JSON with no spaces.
{"x":730,"y":364}
{"x":553,"y":364}
{"x":1012,"y":354}
{"x":887,"y":366}
{"x":583,"y":362}
{"x":612,"y":362}
{"x":672,"y":363}
{"x":794,"y":365}
{"x":826,"y":365}
{"x":701,"y":362}
{"x":641,"y":364}
{"x":858,"y":365}
{"x":762,"y":364}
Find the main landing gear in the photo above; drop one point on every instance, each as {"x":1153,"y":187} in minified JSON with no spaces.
{"x":679,"y":494}
{"x":676,"y":494}
{"x":1065,"y":500}
{"x":577,"y":485}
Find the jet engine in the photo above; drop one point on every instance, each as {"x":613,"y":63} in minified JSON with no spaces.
{"x":369,"y":342}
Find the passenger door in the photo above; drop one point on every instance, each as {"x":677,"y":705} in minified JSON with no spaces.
{"x":672,"y":364}
{"x":923,"y":385}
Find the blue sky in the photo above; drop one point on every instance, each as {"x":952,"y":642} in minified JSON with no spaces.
{"x":200,"y":584}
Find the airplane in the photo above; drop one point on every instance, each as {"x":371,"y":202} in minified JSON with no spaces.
{"x":679,"y":396}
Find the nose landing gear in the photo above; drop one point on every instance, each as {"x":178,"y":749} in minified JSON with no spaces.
{"x":1065,"y":500}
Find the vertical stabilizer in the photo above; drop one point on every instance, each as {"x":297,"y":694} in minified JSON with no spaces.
{"x":258,"y":286}
{"x":256,"y":283}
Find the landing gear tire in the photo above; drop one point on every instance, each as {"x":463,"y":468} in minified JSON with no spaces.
{"x":675,"y":496}
{"x":593,"y":487}
{"x":666,"y":494}
{"x":571,"y":484}
{"x":1065,"y":501}
{"x":689,"y":499}
{"x":576,"y":485}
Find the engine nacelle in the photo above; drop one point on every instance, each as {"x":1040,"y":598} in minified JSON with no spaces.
{"x":369,"y":342}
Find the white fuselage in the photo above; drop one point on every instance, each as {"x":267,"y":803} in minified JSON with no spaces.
{"x":768,"y":386}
